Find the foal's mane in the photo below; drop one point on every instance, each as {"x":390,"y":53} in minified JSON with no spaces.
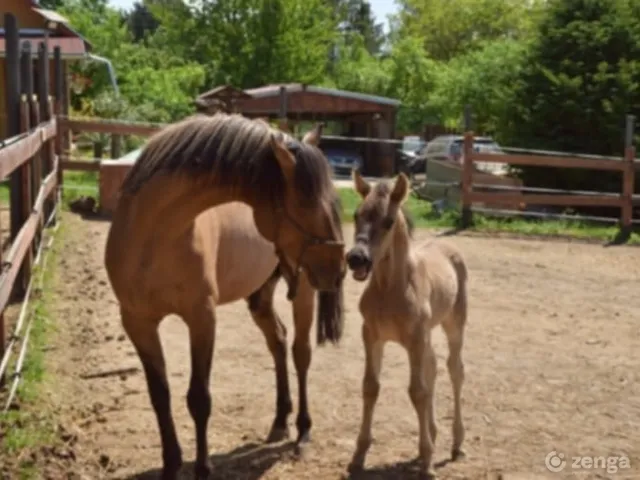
{"x":237,"y":152}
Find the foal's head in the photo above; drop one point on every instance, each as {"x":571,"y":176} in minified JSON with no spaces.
{"x":377,"y":218}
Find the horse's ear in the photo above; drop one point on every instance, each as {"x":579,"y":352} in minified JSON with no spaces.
{"x":285,"y":159}
{"x":360,"y":184}
{"x":314,"y":135}
{"x":400,"y":190}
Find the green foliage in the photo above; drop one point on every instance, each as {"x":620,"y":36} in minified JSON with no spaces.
{"x":483,"y":79}
{"x":581,"y":78}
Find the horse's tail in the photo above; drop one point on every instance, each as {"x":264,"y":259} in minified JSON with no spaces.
{"x":330,"y":315}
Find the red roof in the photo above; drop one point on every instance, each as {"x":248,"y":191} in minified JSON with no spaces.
{"x":68,"y":45}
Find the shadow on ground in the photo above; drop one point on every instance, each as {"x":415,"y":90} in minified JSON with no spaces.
{"x":247,"y":462}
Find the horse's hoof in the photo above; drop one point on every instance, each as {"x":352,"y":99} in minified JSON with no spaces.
{"x":170,"y":473}
{"x":172,"y":467}
{"x":457,"y":454}
{"x":428,"y":474}
{"x":302,"y":445}
{"x":278,"y":434}
{"x":202,"y":471}
{"x":355,"y":468}
{"x":304,"y":437}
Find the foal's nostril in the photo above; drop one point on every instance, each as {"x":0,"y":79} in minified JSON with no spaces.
{"x":356,"y":259}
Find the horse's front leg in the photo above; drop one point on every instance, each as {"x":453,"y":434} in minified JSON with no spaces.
{"x":275,"y":334}
{"x":303,"y":306}
{"x":201,"y":321}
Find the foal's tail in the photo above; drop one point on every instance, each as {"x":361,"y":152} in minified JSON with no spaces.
{"x":460,"y":267}
{"x":330,"y":315}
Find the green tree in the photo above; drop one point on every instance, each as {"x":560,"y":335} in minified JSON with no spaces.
{"x":581,"y":78}
{"x":456,"y":26}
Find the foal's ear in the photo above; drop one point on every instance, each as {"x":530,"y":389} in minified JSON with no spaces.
{"x":313,"y":136}
{"x":284,"y":157}
{"x":360,"y":184}
{"x":400,"y":190}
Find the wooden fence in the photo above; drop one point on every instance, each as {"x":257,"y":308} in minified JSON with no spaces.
{"x":29,"y":159}
{"x":516,"y":197}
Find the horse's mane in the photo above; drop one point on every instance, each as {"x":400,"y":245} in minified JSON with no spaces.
{"x":237,"y":152}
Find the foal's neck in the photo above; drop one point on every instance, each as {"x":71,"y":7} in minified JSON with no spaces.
{"x":392,"y":270}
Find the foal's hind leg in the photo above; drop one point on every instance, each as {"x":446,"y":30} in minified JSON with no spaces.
{"x":202,"y":330}
{"x":143,"y":333}
{"x":275,"y":333}
{"x":454,"y":330}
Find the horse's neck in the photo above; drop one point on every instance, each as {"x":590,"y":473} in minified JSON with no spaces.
{"x":392,"y":270}
{"x":170,"y":204}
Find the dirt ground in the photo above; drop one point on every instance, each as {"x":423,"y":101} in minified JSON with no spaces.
{"x":552,"y":363}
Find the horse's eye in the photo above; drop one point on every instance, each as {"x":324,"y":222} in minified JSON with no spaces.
{"x":387,"y":223}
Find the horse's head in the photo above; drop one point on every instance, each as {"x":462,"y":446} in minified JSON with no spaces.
{"x":306,"y":227}
{"x":375,"y":220}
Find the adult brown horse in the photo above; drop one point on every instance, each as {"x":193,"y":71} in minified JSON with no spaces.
{"x":159,"y":257}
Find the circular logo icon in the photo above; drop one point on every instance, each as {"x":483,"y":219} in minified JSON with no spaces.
{"x":554,"y":461}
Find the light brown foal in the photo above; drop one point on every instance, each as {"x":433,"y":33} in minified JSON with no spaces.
{"x":410,"y":291}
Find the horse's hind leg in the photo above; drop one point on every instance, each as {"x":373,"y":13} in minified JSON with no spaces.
{"x":454,"y":330}
{"x":143,"y":333}
{"x":202,"y":331}
{"x":275,"y":333}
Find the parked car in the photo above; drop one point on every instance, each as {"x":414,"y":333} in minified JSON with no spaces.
{"x":343,"y":161}
{"x":444,"y":160}
{"x":410,"y":160}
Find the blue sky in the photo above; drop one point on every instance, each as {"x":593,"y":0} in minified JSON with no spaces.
{"x":381,"y":8}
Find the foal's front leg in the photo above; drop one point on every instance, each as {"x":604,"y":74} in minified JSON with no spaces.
{"x":422,"y":362}
{"x":373,"y":349}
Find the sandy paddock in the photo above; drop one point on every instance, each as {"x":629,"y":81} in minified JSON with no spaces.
{"x":552,"y":358}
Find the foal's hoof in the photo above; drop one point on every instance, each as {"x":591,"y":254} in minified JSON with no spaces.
{"x":457,"y":454}
{"x":202,"y":471}
{"x":278,"y":434}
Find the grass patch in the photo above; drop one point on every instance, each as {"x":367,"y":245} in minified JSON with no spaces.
{"x":77,"y":184}
{"x":32,"y":426}
{"x":424,"y":216}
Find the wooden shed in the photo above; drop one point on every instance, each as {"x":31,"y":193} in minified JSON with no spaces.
{"x":37,"y":25}
{"x":359,"y":114}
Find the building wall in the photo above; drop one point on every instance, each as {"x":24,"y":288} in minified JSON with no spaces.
{"x":27,"y":18}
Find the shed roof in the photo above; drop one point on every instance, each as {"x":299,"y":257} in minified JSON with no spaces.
{"x":71,"y":43}
{"x":274,"y":90}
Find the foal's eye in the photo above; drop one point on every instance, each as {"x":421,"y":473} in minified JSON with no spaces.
{"x":387,"y":223}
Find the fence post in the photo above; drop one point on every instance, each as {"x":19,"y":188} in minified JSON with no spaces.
{"x":467,"y":170}
{"x":629,"y":174}
{"x":59,"y":100}
{"x":45,"y":114}
{"x":27,"y":170}
{"x":12,"y":85}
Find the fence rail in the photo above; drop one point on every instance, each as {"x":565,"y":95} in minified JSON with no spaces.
{"x":30,"y":159}
{"x":517,"y":200}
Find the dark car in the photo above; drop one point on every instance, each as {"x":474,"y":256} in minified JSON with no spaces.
{"x":343,"y":161}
